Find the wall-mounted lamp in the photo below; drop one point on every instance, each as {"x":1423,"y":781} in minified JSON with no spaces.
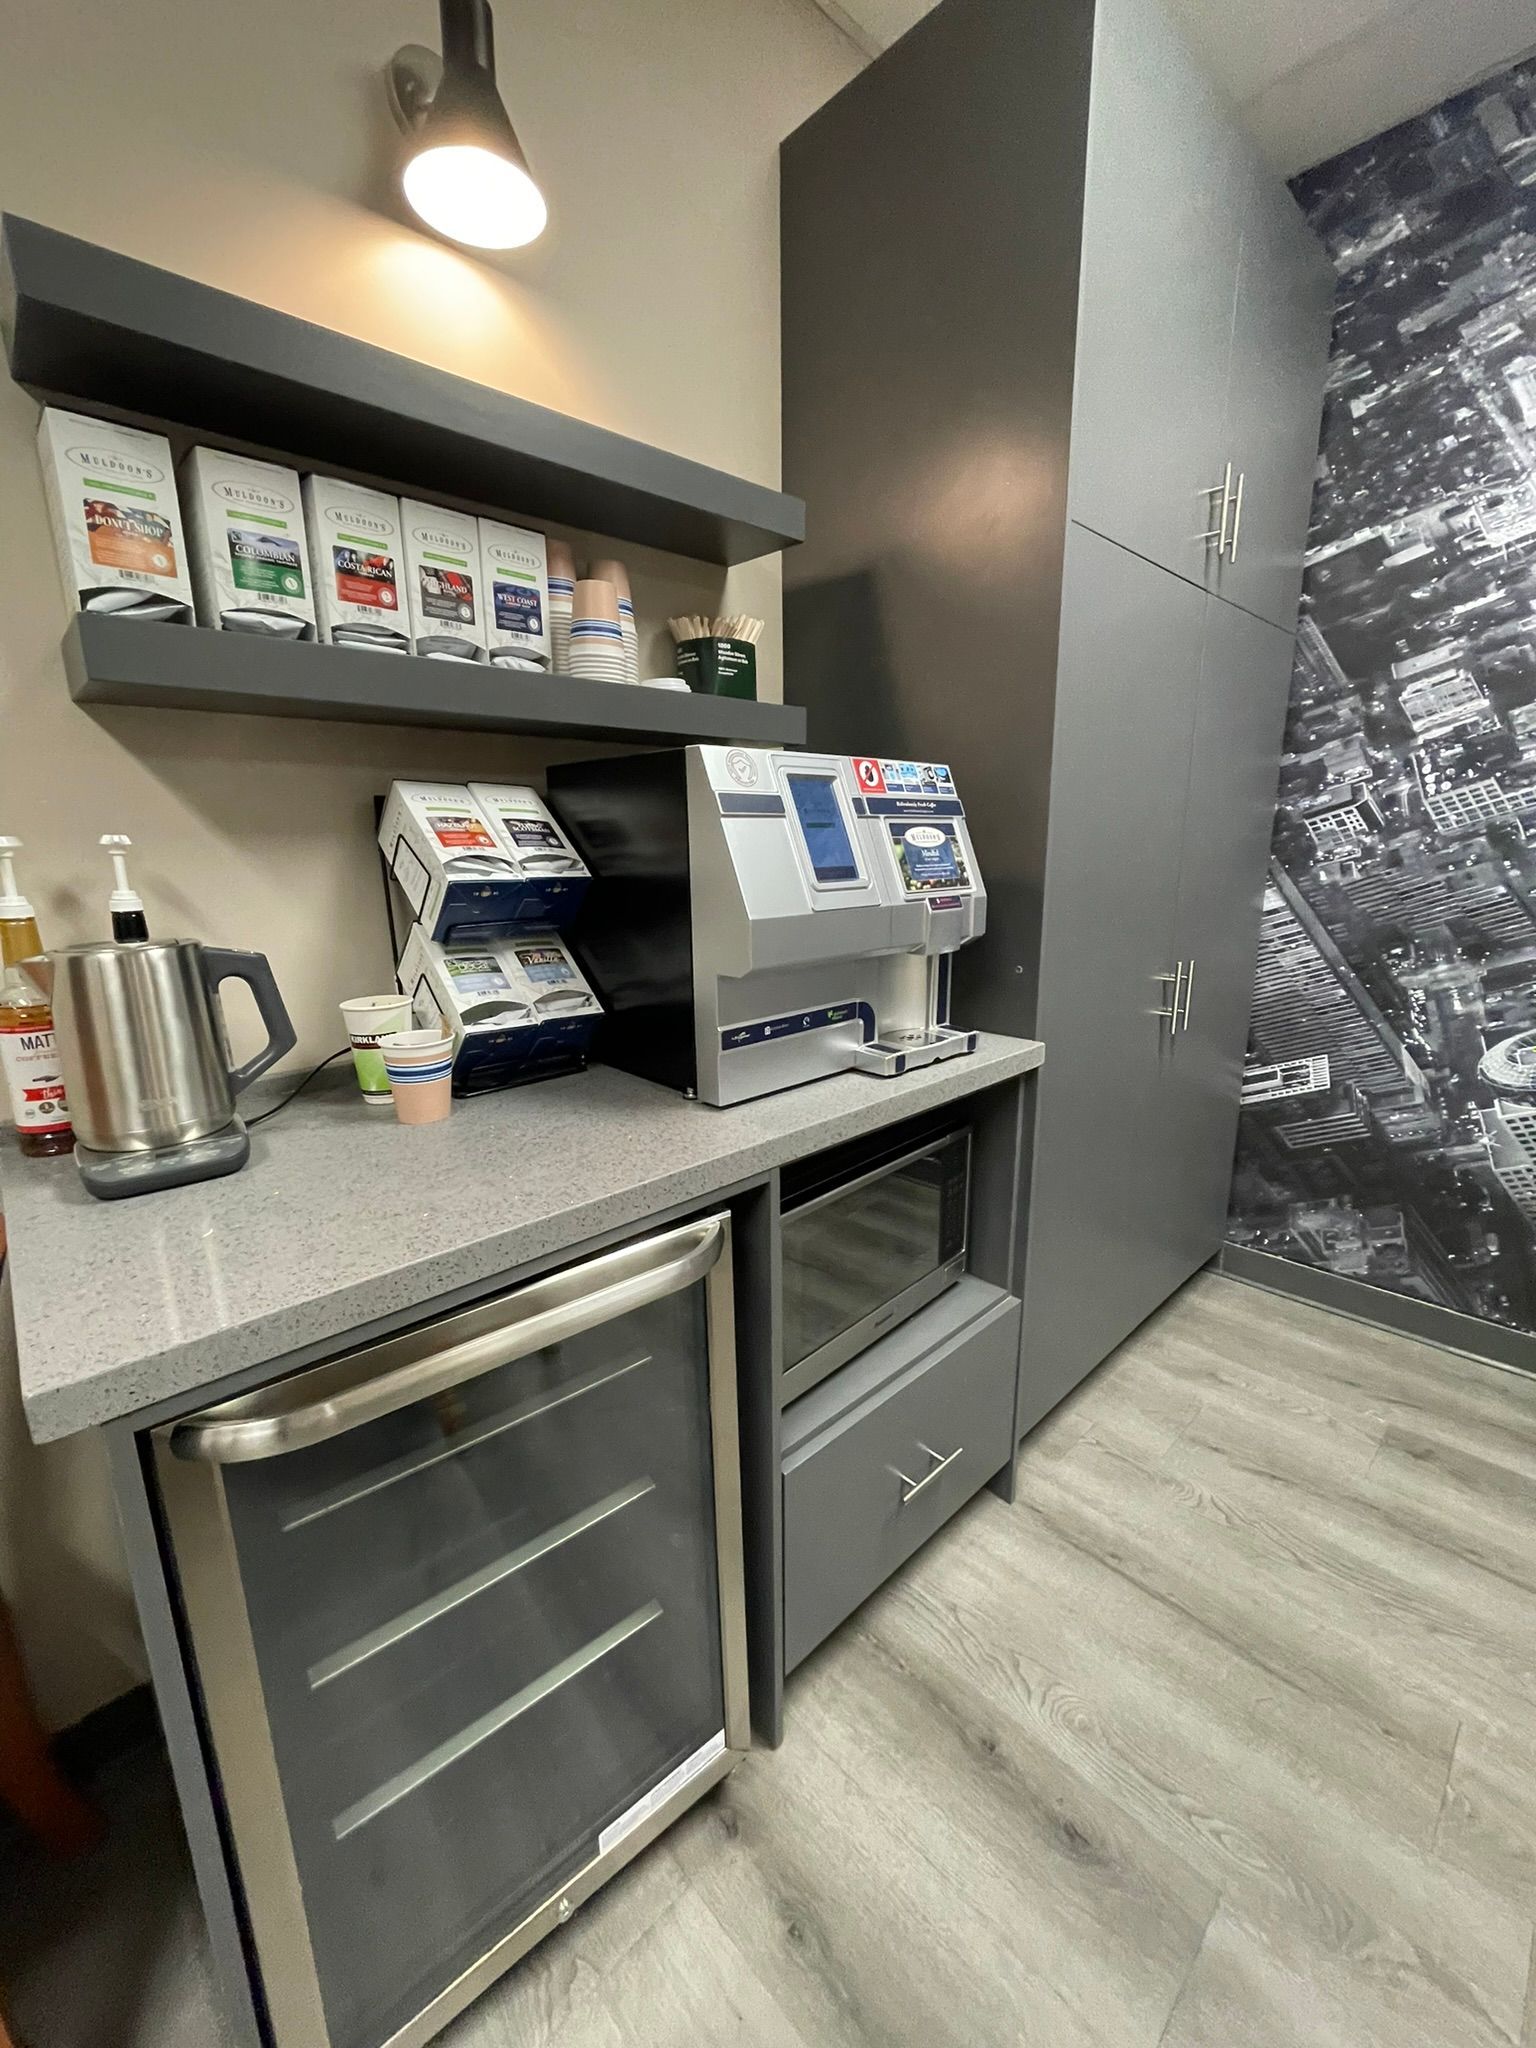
{"x":463,"y":172}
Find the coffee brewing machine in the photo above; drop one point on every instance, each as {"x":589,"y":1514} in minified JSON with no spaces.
{"x":758,"y":919}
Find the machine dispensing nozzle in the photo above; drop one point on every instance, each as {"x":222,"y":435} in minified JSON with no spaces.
{"x":125,"y":903}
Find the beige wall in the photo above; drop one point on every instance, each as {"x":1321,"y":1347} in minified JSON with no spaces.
{"x":243,"y":150}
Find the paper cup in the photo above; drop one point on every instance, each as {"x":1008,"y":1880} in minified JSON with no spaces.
{"x":420,"y":1069}
{"x":367,"y":1019}
{"x":593,"y":599}
{"x":561,"y":560}
{"x":614,"y":572}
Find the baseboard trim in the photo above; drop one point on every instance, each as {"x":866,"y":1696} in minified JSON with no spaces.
{"x":1488,"y":1343}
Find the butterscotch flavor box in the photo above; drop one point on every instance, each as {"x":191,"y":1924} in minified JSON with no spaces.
{"x":111,"y":493}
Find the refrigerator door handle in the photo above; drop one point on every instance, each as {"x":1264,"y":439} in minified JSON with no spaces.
{"x":285,"y":1417}
{"x":1189,"y":992}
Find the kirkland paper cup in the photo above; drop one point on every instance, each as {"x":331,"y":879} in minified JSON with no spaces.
{"x":420,"y":1069}
{"x":367,"y":1019}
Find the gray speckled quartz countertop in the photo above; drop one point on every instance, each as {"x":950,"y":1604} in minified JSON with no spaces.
{"x":342,"y":1217}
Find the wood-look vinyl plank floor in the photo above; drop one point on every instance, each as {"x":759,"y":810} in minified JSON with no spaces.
{"x":1223,"y":1736}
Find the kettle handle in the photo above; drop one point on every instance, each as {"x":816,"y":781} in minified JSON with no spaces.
{"x":226,"y":963}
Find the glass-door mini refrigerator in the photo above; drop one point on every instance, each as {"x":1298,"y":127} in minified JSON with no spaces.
{"x":464,"y":1610}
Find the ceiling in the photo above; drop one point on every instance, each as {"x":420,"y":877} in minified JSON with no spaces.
{"x":1312,"y":77}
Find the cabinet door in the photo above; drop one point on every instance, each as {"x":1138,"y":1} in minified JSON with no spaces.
{"x":1281,"y":331}
{"x":1159,"y":276}
{"x":1098,"y":1256}
{"x":1245,"y":684}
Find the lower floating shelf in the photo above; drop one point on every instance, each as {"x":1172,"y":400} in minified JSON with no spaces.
{"x":188,"y":668}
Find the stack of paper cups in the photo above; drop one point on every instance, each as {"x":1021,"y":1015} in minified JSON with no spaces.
{"x":597,"y":639}
{"x":616,"y":574}
{"x":562,"y":590}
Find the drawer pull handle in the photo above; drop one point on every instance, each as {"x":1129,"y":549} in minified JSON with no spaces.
{"x":911,"y":1488}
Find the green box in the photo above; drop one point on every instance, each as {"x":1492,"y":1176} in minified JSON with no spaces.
{"x":719,"y":667}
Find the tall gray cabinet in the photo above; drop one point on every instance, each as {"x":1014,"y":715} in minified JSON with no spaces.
{"x":1055,"y":344}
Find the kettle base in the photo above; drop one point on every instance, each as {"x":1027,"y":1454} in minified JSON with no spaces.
{"x":111,"y":1175}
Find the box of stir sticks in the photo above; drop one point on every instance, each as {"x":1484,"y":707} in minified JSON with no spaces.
{"x":718,"y":656}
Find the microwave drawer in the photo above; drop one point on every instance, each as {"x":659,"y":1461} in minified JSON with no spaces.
{"x":869,"y":1490}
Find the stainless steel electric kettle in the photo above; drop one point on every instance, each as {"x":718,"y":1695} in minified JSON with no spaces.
{"x":142,"y":1045}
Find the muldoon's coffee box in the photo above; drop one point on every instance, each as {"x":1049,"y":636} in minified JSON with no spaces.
{"x":111,"y":493}
{"x":478,"y":862}
{"x":519,"y":1009}
{"x":514,"y":570}
{"x":250,"y":563}
{"x":357,"y":557}
{"x":443,"y":581}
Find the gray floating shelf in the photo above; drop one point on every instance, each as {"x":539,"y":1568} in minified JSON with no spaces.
{"x":87,"y":325}
{"x":113,"y":660}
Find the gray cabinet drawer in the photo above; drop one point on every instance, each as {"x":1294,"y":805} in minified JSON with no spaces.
{"x":846,"y":1524}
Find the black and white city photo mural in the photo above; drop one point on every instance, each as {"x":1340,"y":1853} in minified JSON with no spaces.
{"x":1389,"y":1122}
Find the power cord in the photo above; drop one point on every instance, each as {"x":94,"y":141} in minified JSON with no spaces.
{"x":298,"y":1088}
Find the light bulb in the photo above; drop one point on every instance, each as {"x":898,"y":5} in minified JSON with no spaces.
{"x":474,"y":196}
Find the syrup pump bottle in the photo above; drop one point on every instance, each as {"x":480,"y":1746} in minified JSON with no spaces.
{"x":28,"y":1053}
{"x":125,"y":903}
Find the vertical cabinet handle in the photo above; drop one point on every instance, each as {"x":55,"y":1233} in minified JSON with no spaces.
{"x":1189,"y":992}
{"x":1218,"y":533}
{"x":1171,"y":1010}
{"x":1237,"y":516}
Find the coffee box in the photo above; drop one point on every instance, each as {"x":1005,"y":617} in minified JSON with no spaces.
{"x":249,"y":562}
{"x":514,"y":569}
{"x":443,"y":576}
{"x":461,"y":869}
{"x":520,"y":819}
{"x":111,"y":494}
{"x":478,"y":986}
{"x":357,"y":561}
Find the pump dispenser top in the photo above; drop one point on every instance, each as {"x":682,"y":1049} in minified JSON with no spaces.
{"x":13,"y":904}
{"x":126,"y":905}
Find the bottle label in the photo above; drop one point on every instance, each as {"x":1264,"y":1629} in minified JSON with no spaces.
{"x":33,"y":1081}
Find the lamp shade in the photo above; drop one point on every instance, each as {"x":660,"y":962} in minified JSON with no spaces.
{"x":464,"y":173}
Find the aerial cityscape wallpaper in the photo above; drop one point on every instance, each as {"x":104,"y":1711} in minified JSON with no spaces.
{"x":1389,"y":1121}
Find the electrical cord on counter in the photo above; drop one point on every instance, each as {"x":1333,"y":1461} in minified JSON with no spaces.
{"x":298,"y":1088}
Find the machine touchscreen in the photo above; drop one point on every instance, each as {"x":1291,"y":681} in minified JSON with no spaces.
{"x":822,"y":828}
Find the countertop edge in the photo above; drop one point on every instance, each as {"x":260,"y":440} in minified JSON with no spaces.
{"x":123,"y":1388}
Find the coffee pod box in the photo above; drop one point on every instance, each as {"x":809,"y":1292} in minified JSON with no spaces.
{"x":356,"y":558}
{"x":477,"y":987}
{"x":518,"y":1009}
{"x":514,"y":568}
{"x":250,"y":564}
{"x":443,"y":577}
{"x":521,"y":820}
{"x":111,"y":495}
{"x":459,"y":875}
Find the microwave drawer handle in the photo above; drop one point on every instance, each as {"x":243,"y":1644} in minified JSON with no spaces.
{"x":911,"y":1488}
{"x":544,"y":1312}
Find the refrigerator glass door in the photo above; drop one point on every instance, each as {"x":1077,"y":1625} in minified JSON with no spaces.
{"x":453,"y":1630}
